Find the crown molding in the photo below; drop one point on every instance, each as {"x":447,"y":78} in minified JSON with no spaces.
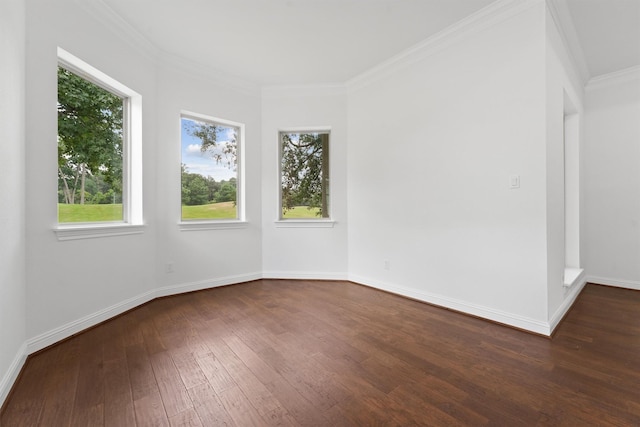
{"x":197,"y":69}
{"x":487,"y":17}
{"x":130,"y":35}
{"x":121,"y":28}
{"x":564,"y":24}
{"x":323,"y":89}
{"x":617,"y":77}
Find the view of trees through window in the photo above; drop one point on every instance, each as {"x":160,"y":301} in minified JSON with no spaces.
{"x":90,"y":151}
{"x":209,"y":169}
{"x":304,"y":174}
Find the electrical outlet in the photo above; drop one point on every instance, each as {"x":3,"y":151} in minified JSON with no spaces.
{"x":168,"y":268}
{"x":387,"y":264}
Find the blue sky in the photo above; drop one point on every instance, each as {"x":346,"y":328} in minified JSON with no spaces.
{"x":203,"y":163}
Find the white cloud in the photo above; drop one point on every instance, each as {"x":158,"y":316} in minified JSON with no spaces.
{"x":193,"y":148}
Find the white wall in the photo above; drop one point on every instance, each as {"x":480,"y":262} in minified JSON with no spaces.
{"x":308,"y":252}
{"x":12,"y":187}
{"x":612,"y":180}
{"x":204,"y":258}
{"x":562,"y":81}
{"x":432,"y":144}
{"x":69,"y":281}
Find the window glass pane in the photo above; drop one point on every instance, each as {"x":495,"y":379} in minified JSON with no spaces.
{"x":90,"y":151}
{"x":209,"y":169}
{"x":304,"y":175}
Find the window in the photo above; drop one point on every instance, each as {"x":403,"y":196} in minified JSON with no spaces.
{"x":304,"y":174}
{"x":211,"y":150}
{"x":99,"y":158}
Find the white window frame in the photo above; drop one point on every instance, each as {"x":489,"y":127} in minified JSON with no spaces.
{"x":304,"y":222}
{"x":132,"y":218}
{"x":214,"y":224}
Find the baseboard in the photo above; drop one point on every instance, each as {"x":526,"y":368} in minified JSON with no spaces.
{"x":12,"y":373}
{"x":627,"y":284}
{"x":65,"y":331}
{"x":304,"y":275}
{"x":510,"y":319}
{"x":564,"y":308}
{"x":206,"y":284}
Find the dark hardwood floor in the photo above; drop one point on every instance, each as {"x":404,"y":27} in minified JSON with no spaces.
{"x":331,"y":354}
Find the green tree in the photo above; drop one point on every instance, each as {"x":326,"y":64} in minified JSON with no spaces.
{"x":227,"y":192}
{"x":208,"y":133}
{"x":194,"y":188}
{"x":89,"y":135}
{"x":305,"y":171}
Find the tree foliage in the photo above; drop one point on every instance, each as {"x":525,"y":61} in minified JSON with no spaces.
{"x":200,"y":190}
{"x":223,"y":152}
{"x":90,"y":132}
{"x":305,"y":171}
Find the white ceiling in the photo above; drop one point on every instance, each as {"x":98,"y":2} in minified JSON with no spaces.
{"x":608,"y":32}
{"x":273,"y":42}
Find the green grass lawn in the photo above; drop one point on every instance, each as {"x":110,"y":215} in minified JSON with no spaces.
{"x":89,"y":213}
{"x":302,"y":212}
{"x":224,"y":210}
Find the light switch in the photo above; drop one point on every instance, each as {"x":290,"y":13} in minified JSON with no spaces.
{"x":514,"y":181}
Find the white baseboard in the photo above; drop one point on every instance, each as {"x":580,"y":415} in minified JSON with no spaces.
{"x":65,"y":331}
{"x":574,"y":291}
{"x":499,"y":316}
{"x":205,"y":284}
{"x":304,"y":275}
{"x":12,"y":373}
{"x":628,"y":284}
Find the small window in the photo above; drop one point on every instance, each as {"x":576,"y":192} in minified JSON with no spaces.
{"x":95,"y":128}
{"x":210,"y":168}
{"x":304,"y":175}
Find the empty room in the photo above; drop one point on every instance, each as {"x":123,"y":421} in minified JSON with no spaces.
{"x":320,"y":212}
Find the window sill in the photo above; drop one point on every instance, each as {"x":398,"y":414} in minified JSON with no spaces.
{"x":571,"y":276}
{"x":305,"y":223}
{"x":212,"y":225}
{"x":94,"y":231}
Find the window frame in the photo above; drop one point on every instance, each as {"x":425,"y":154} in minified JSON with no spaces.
{"x":222,"y":223}
{"x":323,"y":222}
{"x":132,"y":210}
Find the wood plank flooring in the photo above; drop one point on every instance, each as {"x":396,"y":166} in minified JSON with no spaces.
{"x":308,"y":353}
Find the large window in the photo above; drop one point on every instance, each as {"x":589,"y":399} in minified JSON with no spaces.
{"x":210,"y":168}
{"x":95,"y":177}
{"x":304,"y":175}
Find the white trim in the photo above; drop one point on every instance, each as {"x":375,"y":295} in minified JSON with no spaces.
{"x":121,"y":28}
{"x":304,"y":275}
{"x":240,"y":167}
{"x":60,"y":333}
{"x":572,"y":276}
{"x":611,"y":79}
{"x":91,"y":231}
{"x":65,"y":331}
{"x":487,"y":17}
{"x":104,"y":14}
{"x":285,"y":91}
{"x":131,"y":129}
{"x":206,"y":284}
{"x":304,"y":223}
{"x":554,"y":321}
{"x":222,"y":224}
{"x":627,"y":284}
{"x":11,"y":375}
{"x":561,"y":15}
{"x":511,"y":319}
